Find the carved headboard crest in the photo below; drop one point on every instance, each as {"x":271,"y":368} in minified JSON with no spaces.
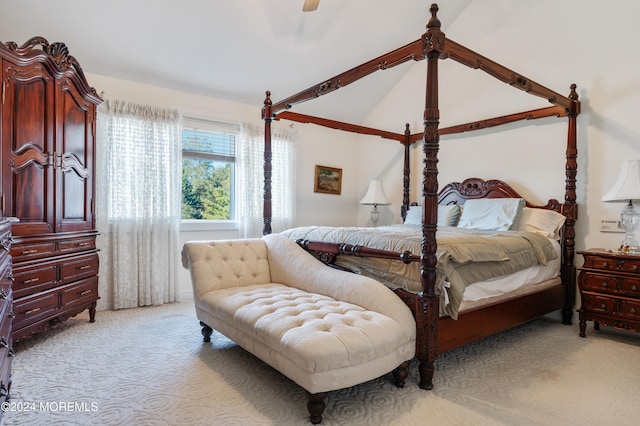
{"x":459,"y":192}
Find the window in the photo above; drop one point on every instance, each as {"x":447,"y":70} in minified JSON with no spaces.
{"x":208,"y":170}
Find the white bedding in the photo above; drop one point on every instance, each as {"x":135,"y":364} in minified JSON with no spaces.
{"x":400,"y":238}
{"x":512,"y":282}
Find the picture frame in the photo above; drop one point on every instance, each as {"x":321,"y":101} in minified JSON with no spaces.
{"x":328,"y":180}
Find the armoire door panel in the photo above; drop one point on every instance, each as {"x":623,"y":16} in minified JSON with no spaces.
{"x":27,"y":135}
{"x":75,"y":144}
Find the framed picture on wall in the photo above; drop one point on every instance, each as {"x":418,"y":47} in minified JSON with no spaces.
{"x":328,"y":180}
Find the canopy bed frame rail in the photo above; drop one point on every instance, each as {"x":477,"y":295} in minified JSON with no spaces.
{"x":433,"y":46}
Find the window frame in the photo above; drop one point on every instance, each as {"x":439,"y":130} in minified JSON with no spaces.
{"x":211,"y":125}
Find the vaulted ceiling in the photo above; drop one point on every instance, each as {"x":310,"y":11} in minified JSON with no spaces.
{"x":234,"y":49}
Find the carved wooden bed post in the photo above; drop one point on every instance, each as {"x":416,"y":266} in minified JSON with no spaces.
{"x":266,"y":213}
{"x":406,"y":172}
{"x":568,"y":268}
{"x":428,"y":310}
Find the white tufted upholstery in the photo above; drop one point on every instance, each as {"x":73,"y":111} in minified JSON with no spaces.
{"x":325,"y":329}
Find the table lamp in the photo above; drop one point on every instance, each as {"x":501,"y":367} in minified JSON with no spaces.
{"x":627,"y":189}
{"x":374,"y":196}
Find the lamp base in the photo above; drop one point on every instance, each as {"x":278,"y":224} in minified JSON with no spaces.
{"x":375,"y":215}
{"x":630,"y":221}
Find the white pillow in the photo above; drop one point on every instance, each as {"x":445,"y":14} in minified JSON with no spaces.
{"x":541,"y":221}
{"x":491,"y":214}
{"x":447,"y":215}
{"x":414,"y":216}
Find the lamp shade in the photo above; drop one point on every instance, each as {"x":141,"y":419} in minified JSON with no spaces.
{"x":627,"y":187}
{"x":375,"y":194}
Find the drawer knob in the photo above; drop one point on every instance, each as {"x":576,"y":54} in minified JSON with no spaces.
{"x":605,"y":284}
{"x":32,"y":311}
{"x":3,"y":342}
{"x":3,"y":294}
{"x":85,"y":267}
{"x":634,"y":267}
{"x":84,"y":293}
{"x":603,"y":306}
{"x":30,"y":251}
{"x":634,"y":287}
{"x":32,"y":280}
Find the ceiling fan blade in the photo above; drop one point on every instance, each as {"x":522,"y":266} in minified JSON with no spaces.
{"x":310,"y":5}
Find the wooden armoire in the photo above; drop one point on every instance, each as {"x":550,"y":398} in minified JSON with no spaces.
{"x":48,"y":183}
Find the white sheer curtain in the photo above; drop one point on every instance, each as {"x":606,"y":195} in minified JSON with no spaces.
{"x":139,"y":202}
{"x":251,"y":179}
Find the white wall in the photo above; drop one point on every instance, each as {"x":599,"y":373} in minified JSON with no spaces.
{"x":555,"y":44}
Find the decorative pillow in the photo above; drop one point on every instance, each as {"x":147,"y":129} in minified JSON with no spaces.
{"x":491,"y":214}
{"x":541,"y":221}
{"x":447,"y":215}
{"x":414,"y":216}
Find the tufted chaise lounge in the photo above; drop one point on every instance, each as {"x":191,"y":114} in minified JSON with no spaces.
{"x":323,"y":328}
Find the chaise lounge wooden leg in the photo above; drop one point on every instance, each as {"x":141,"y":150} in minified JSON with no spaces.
{"x":206,"y":332}
{"x":316,"y":406}
{"x":400,"y":374}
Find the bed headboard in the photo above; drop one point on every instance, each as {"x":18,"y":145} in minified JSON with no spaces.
{"x":459,"y":192}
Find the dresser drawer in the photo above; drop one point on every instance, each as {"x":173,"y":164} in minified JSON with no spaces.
{"x":23,"y":251}
{"x":5,"y":327}
{"x":610,"y":264}
{"x":6,"y":275}
{"x":76,"y":245}
{"x":79,"y":267}
{"x":599,"y":283}
{"x":79,"y":293}
{"x":34,"y":279}
{"x":31,"y":309}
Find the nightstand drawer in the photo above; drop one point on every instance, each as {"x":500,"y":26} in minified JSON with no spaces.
{"x":630,"y":287}
{"x":599,"y":283}
{"x":609,"y":264}
{"x":600,"y":304}
{"x":630,"y":309}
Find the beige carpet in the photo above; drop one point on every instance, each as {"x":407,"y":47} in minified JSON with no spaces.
{"x":149,"y":366}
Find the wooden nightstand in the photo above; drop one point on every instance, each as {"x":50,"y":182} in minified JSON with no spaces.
{"x":609,"y":284}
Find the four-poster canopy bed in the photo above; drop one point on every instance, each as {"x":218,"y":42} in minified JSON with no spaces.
{"x":437,"y":333}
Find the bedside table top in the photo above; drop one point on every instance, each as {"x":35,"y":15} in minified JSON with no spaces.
{"x":609,"y":253}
